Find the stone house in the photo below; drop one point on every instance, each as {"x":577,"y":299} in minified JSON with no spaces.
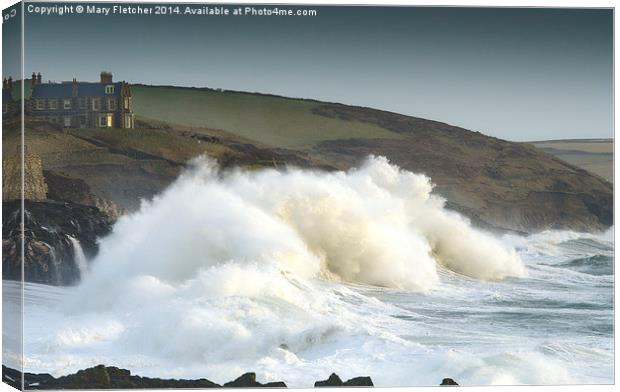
{"x":103,"y":104}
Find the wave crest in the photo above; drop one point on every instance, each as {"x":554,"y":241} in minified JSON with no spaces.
{"x":376,"y":225}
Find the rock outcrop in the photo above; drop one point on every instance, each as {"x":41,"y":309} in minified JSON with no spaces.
{"x":334,"y":381}
{"x":53,"y":232}
{"x":248,"y":380}
{"x":110,"y":377}
{"x":98,"y":377}
{"x":448,"y":382}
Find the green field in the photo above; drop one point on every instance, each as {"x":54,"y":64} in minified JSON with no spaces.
{"x":594,"y":155}
{"x":268,"y":120}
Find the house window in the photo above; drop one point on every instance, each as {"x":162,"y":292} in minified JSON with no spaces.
{"x":82,"y":103}
{"x":82,"y":122}
{"x":66,"y":104}
{"x":53,"y":104}
{"x":40,"y":104}
{"x":96,"y":104}
{"x":110,"y":119}
{"x":127,"y":122}
{"x":109,"y":89}
{"x":111,"y":104}
{"x":67,"y":121}
{"x":103,"y":121}
{"x":126,"y":103}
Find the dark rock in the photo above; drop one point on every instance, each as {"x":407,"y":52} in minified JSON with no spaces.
{"x":49,"y":254}
{"x":110,"y":377}
{"x":98,"y":377}
{"x":248,"y":380}
{"x":335,"y":381}
{"x":276,"y":384}
{"x":359,"y":382}
{"x":332,"y":381}
{"x":63,"y":188}
{"x":448,"y":381}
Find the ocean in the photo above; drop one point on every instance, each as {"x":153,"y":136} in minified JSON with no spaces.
{"x":300,"y":274}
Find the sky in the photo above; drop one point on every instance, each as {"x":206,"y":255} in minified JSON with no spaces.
{"x":518,"y":74}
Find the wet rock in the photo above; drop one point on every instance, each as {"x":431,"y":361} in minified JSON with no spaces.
{"x":248,"y":380}
{"x":110,"y":377}
{"x":49,"y":251}
{"x":332,"y":381}
{"x":359,"y":382}
{"x":98,"y":377}
{"x":448,"y":381}
{"x":335,"y":381}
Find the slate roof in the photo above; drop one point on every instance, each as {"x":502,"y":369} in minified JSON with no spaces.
{"x":85,"y":89}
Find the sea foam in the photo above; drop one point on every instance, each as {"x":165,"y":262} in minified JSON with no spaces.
{"x":298,"y":273}
{"x":376,"y":225}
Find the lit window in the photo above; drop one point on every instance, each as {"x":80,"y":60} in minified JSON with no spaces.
{"x":67,"y":104}
{"x":53,"y":104}
{"x":109,"y":89}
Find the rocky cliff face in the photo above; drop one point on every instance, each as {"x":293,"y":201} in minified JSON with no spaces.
{"x":499,"y":185}
{"x":57,"y":238}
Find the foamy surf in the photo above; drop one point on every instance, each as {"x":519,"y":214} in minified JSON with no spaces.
{"x":376,"y":225}
{"x":298,"y":274}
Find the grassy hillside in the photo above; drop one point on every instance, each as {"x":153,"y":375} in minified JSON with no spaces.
{"x":594,"y":155}
{"x":269,"y":120}
{"x":497,"y":184}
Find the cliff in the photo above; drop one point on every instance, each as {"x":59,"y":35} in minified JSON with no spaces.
{"x":53,"y":232}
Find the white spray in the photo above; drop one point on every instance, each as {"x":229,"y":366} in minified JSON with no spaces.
{"x":79,"y":257}
{"x":208,"y":271}
{"x":376,"y":225}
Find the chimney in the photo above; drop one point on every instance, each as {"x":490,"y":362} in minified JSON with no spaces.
{"x":74,"y":88}
{"x":39,"y":78}
{"x":34,"y":80}
{"x":106,"y":77}
{"x":10,"y":83}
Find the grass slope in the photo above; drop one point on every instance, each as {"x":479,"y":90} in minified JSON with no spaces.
{"x":594,"y":155}
{"x":269,"y":120}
